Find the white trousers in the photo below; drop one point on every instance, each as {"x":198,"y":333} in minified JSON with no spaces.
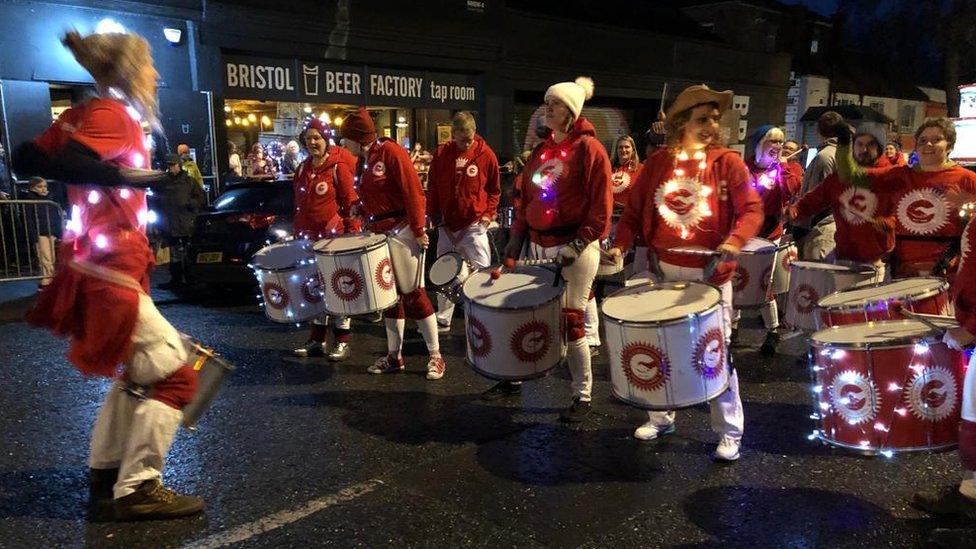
{"x":727,"y":417}
{"x":969,"y":391}
{"x":339,"y":322}
{"x":135,"y":435}
{"x":579,"y":281}
{"x":472,"y":244}
{"x":405,"y":255}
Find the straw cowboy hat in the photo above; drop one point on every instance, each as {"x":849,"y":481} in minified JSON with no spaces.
{"x":700,"y":94}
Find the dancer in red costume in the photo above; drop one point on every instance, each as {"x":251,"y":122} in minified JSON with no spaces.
{"x":324,"y":197}
{"x":99,"y":294}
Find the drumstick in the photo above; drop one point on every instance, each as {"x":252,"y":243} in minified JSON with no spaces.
{"x":928,"y":320}
{"x":695,"y":251}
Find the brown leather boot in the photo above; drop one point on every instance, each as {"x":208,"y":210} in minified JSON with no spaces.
{"x":153,"y":501}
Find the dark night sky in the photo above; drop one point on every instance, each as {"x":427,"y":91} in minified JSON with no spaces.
{"x":823,"y":7}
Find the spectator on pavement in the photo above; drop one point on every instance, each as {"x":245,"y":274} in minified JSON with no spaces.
{"x":43,"y":223}
{"x":808,"y":229}
{"x":234,"y":160}
{"x":180,"y":198}
{"x":189,"y":165}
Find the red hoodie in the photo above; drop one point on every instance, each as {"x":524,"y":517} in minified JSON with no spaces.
{"x":776,"y":185}
{"x":856,"y":239}
{"x":622,"y":181}
{"x":324,"y":195}
{"x":675,"y":212}
{"x":463,"y":186}
{"x":390,"y":188}
{"x":963,"y":287}
{"x":566,"y":190}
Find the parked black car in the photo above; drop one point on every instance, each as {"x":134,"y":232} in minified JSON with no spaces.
{"x":243,"y":219}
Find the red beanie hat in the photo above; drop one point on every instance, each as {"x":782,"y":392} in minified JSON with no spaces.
{"x":359,"y":127}
{"x":314,"y":124}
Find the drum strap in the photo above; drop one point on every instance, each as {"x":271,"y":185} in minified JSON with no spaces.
{"x":108,"y":275}
{"x":388,"y":215}
{"x":566,"y":230}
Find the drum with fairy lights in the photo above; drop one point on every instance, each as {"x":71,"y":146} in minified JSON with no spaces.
{"x":289,"y":281}
{"x":667,"y":344}
{"x":513,"y":323}
{"x":754,"y":274}
{"x":811,"y":280}
{"x":887,"y":386}
{"x":357,"y":273}
{"x":873,"y":301}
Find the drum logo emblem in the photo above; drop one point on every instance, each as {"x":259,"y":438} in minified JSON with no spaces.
{"x":548,"y":173}
{"x":479,"y":339}
{"x":806,"y":299}
{"x":531,"y":341}
{"x":321,"y":188}
{"x":709,"y":358}
{"x":645,"y":366}
{"x":682,"y":203}
{"x":740,"y":279}
{"x":932,"y":394}
{"x":312,"y":289}
{"x":379,"y":169}
{"x":858,"y":204}
{"x":346,"y":284}
{"x":384,"y":274}
{"x":789,"y":257}
{"x":472,"y":170}
{"x":854,"y":397}
{"x":923,"y":211}
{"x":620,"y":180}
{"x":965,"y":247}
{"x":275,"y":295}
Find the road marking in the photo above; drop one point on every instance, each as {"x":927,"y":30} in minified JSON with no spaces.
{"x":283,"y":518}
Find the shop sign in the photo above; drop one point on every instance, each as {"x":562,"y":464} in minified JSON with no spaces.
{"x":309,"y":81}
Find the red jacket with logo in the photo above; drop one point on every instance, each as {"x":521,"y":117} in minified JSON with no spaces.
{"x":566,"y":190}
{"x":776,"y":185}
{"x":856,"y":239}
{"x":107,"y":231}
{"x":463,"y":186}
{"x":676,"y":211}
{"x":963,"y":287}
{"x":926,"y":223}
{"x":622,"y":181}
{"x":324,"y":196}
{"x":390,"y":186}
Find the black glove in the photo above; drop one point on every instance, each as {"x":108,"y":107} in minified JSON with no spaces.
{"x":514,"y":247}
{"x":844,"y":132}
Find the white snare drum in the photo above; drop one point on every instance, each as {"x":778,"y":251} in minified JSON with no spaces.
{"x":289,"y":281}
{"x":513,"y":324}
{"x":357,"y":273}
{"x":447,"y":275}
{"x":211,"y":370}
{"x":811,"y":280}
{"x":786,"y":254}
{"x":667,"y":344}
{"x":754,"y":274}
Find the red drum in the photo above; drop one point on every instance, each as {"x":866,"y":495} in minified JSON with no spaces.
{"x":865,"y":302}
{"x":887,"y":386}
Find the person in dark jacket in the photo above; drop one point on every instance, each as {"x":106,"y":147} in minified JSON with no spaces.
{"x":180,"y":198}
{"x":43,"y":223}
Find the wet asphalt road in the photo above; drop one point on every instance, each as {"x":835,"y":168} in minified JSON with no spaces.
{"x":306,"y":453}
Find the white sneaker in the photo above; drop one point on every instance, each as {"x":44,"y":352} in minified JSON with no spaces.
{"x":443,"y":328}
{"x":435,"y":368}
{"x":727,"y":449}
{"x":651,"y":430}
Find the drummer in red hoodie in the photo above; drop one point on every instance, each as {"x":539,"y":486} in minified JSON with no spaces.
{"x":393,"y":202}
{"x":324,"y":196}
{"x":695,"y":193}
{"x":777,"y":182}
{"x":564,"y":211}
{"x":960,"y":499}
{"x":463,"y":188}
{"x":927,"y":225}
{"x":864,"y":233}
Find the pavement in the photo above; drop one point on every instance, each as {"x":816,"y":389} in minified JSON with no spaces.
{"x":307,"y":453}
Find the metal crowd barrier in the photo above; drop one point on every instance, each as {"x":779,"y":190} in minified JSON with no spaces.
{"x":29,"y":230}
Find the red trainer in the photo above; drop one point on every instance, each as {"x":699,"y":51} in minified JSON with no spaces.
{"x":388,"y":364}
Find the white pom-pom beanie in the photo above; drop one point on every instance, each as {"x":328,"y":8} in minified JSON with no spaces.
{"x":573,"y":94}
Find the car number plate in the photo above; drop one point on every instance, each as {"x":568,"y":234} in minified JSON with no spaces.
{"x":210,"y":257}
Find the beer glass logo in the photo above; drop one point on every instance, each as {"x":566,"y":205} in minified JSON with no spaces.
{"x":311,"y":79}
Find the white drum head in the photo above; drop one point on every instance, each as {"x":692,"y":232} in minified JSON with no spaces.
{"x":348,"y":242}
{"x":876,"y":333}
{"x":904,"y":288}
{"x":523,"y":288}
{"x":445,"y":268}
{"x":284,"y":255}
{"x":759,"y":245}
{"x":660,"y":302}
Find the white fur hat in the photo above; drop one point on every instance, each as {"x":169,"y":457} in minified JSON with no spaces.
{"x":573,"y":94}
